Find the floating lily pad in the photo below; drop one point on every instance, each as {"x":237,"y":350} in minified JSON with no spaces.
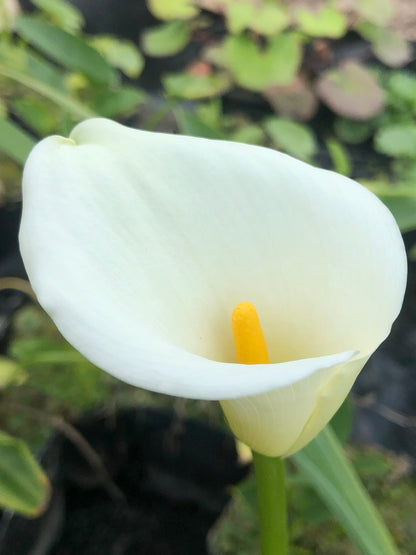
{"x":256,"y":68}
{"x":292,"y":137}
{"x":389,"y":47}
{"x":295,"y":100}
{"x":351,"y":91}
{"x":326,"y":22}
{"x":166,"y":39}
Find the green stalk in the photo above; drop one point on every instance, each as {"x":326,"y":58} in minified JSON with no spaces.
{"x":271,"y":500}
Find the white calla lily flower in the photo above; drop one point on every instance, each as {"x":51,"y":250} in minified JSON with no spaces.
{"x":139,"y":245}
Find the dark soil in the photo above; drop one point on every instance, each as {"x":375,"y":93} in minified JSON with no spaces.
{"x":175,"y":476}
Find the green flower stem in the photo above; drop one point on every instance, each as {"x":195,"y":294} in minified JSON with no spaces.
{"x":271,"y":498}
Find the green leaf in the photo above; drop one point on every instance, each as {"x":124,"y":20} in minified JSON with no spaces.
{"x":110,"y":103}
{"x":375,"y":11}
{"x":68,"y":50}
{"x":397,"y":139}
{"x":267,"y":18}
{"x":23,"y":485}
{"x":166,"y":39}
{"x":191,"y":86}
{"x":62,"y":13}
{"x":251,"y":134}
{"x":326,"y":22}
{"x":14,"y":141}
{"x":292,"y":137}
{"x":172,"y":9}
{"x":353,"y":131}
{"x":255,"y":68}
{"x":403,"y":86}
{"x":351,"y":91}
{"x":71,"y":105}
{"x":190,"y":124}
{"x":389,"y":46}
{"x":11,"y":373}
{"x":36,"y":114}
{"x":323,"y":463}
{"x":122,"y":54}
{"x":339,"y":157}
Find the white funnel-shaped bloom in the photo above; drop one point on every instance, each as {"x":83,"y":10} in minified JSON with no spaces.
{"x":139,"y":245}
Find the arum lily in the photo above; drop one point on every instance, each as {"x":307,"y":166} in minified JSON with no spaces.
{"x":139,"y":245}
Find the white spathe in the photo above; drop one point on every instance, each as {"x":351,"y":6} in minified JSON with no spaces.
{"x":139,"y":245}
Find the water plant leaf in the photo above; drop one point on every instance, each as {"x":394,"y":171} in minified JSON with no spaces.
{"x":191,"y":124}
{"x":68,"y":50}
{"x":267,"y":18}
{"x":339,"y":157}
{"x":14,"y":141}
{"x":23,"y":485}
{"x":397,"y":139}
{"x":294,"y":101}
{"x":326,"y":22}
{"x":351,"y":91}
{"x":62,"y":13}
{"x":292,"y":137}
{"x":323,"y":463}
{"x":193,"y":86}
{"x":255,"y":68}
{"x":10,"y":372}
{"x":389,"y":46}
{"x":172,"y":9}
{"x":110,"y":103}
{"x":166,"y":39}
{"x":122,"y":54}
{"x":376,"y":11}
{"x":353,"y":131}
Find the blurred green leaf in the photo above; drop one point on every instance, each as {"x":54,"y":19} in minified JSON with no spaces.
{"x":110,"y":103}
{"x":249,"y":133}
{"x":403,"y":86}
{"x":266,"y":18}
{"x":166,"y":39}
{"x":389,"y":46}
{"x":376,"y":11}
{"x":397,"y":140}
{"x":23,"y":485}
{"x":172,"y":9}
{"x":73,"y":106}
{"x":191,"y":86}
{"x":323,"y":463}
{"x":11,"y":373}
{"x":353,"y":131}
{"x":14,"y":141}
{"x":255,"y":68}
{"x":326,"y":22}
{"x":122,"y":54}
{"x":191,"y":124}
{"x":339,"y":157}
{"x":292,"y":137}
{"x":62,"y":13}
{"x":35,"y":113}
{"x":68,"y":50}
{"x":351,"y":91}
